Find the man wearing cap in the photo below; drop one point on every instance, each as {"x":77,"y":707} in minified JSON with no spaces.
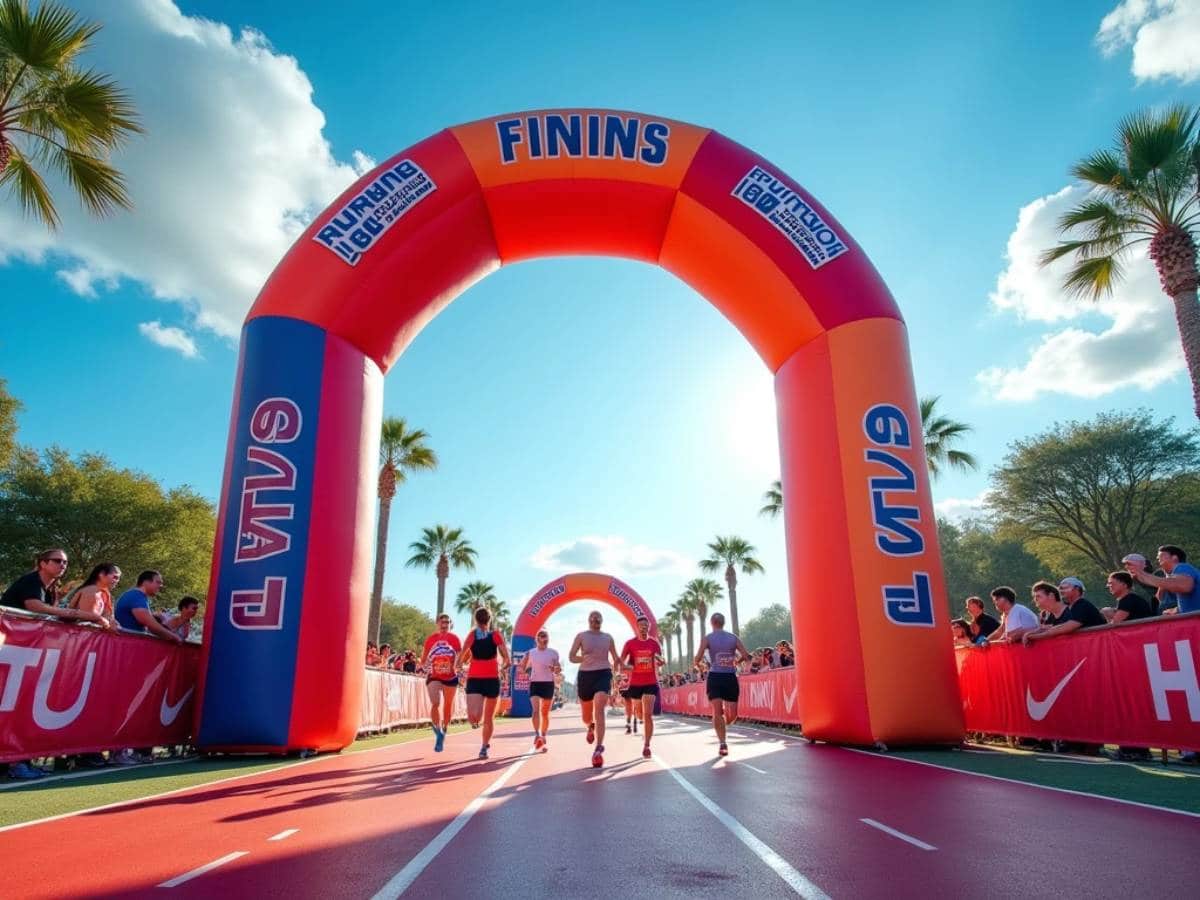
{"x":1180,"y":584}
{"x":1080,"y":611}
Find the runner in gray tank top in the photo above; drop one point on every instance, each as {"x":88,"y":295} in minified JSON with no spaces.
{"x":593,"y":649}
{"x":725,"y":650}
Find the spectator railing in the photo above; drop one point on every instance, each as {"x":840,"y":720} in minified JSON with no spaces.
{"x":770,"y":696}
{"x":391,"y":699}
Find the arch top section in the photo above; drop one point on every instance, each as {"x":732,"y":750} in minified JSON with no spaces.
{"x":583,"y":586}
{"x":426,"y":224}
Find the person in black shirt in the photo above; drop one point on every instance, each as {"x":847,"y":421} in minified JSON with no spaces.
{"x":1130,"y":606}
{"x":982,"y":625}
{"x":1049,"y":601}
{"x":1081,"y":613}
{"x":37,"y":591}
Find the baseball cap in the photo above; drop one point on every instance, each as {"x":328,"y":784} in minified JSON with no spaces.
{"x":1071,"y":581}
{"x":1134,"y":558}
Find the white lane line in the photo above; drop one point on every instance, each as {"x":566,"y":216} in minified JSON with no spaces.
{"x":751,"y":768}
{"x":402,"y":880}
{"x":283,"y":835}
{"x":908,"y":838}
{"x":207,"y":867}
{"x":777,"y":863}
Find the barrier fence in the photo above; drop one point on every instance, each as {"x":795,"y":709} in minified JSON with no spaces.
{"x":393,"y":698}
{"x":1132,"y":684}
{"x":769,"y":696}
{"x":76,"y":689}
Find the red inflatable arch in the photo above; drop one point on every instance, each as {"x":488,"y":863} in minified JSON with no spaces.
{"x":291,"y":574}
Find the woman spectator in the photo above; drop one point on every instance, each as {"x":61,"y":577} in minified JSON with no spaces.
{"x":385,"y":656}
{"x":787,"y":656}
{"x":95,"y":594}
{"x":961,"y":630}
{"x":372,"y":654}
{"x":410,"y":662}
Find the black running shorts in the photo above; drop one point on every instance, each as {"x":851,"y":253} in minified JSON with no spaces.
{"x":487,"y":687}
{"x":638,"y":691}
{"x":543,"y":689}
{"x":723,"y":686}
{"x":598,"y":681}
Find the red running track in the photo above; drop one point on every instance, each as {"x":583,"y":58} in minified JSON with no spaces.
{"x":557,"y":827}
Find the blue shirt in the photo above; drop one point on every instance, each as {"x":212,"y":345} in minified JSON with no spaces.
{"x":129,"y":601}
{"x":1189,"y":602}
{"x":722,"y":652}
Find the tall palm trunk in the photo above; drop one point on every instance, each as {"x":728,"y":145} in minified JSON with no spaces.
{"x":702,"y":611}
{"x":679,"y":642}
{"x":667,"y":648}
{"x":387,"y":490}
{"x":1174,"y":255}
{"x":691,"y":646}
{"x":731,"y":583}
{"x":443,"y":573}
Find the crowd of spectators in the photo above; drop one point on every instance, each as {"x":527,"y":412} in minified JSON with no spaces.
{"x":762,"y":659}
{"x":46,"y":591}
{"x":381,"y":657}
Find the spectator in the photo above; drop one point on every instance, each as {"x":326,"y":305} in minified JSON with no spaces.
{"x":372,"y":654}
{"x":1130,"y":606}
{"x":410,"y":661}
{"x":1081,"y":613}
{"x":1050,"y":602}
{"x":181,"y":623}
{"x":37,"y":591}
{"x":133,"y":608}
{"x":982,"y":625}
{"x":1015,"y":620}
{"x":787,"y":656}
{"x":385,"y":656}
{"x":1179,"y":587}
{"x":95,"y":594}
{"x":961,"y":631}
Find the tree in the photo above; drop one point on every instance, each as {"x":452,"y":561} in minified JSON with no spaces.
{"x":668,"y":625}
{"x":1145,"y":190}
{"x":685,"y":612}
{"x":54,"y":114}
{"x":401,"y":450}
{"x":478,"y":594}
{"x":772,"y":500}
{"x":732,"y":553}
{"x":9,"y":407}
{"x":977,"y":557}
{"x":772,"y":625}
{"x":1101,"y":488}
{"x":442,"y":547}
{"x":940,"y":432}
{"x":99,"y":513}
{"x":404,"y":626}
{"x":701,"y":594}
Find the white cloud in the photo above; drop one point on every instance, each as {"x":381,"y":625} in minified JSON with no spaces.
{"x":1138,"y":348}
{"x":1165,"y":35}
{"x":610,"y":555}
{"x":959,"y":509}
{"x":170,"y":337}
{"x":232,"y":166}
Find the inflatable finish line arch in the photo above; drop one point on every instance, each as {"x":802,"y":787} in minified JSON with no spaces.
{"x":552,"y":597}
{"x":291,"y":572}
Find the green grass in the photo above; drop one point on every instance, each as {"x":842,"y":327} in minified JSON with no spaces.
{"x":38,"y":800}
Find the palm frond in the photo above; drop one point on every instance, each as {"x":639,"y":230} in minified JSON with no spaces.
{"x":100,"y":187}
{"x":1094,"y":277}
{"x":27,"y":183}
{"x":1103,"y":169}
{"x":47,"y":40}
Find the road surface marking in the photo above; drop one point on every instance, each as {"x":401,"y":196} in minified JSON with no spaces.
{"x":777,"y":863}
{"x":402,"y":880}
{"x":283,"y":834}
{"x":898,"y":834}
{"x":752,"y":768}
{"x":1028,"y":784}
{"x":207,"y":867}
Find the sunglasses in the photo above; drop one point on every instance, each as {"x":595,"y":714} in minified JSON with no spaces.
{"x":56,"y":559}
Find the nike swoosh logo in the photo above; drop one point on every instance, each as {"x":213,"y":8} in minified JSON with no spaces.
{"x":167,"y":713}
{"x":790,"y":699}
{"x":1039,"y":709}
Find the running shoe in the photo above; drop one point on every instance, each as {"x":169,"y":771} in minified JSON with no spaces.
{"x":628,"y":728}
{"x":545,"y":745}
{"x":722,"y":750}
{"x":591,"y":735}
{"x":538,"y":741}
{"x":598,"y":757}
{"x":646,"y":749}
{"x":24,"y":771}
{"x":439,"y":740}
{"x":483,"y":752}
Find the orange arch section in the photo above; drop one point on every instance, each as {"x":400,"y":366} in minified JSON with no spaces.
{"x":583,"y":586}
{"x":426,"y":224}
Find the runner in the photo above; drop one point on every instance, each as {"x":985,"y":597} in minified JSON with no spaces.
{"x":441,"y":678}
{"x":483,"y":676}
{"x":725,"y":651}
{"x":593,"y":649}
{"x":644,"y":654}
{"x":542,"y":665}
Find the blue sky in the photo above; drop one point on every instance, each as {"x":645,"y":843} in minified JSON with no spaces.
{"x":593,"y":412}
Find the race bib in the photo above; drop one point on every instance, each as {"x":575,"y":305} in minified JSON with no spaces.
{"x":643,"y":662}
{"x":443,"y":666}
{"x":725,"y":660}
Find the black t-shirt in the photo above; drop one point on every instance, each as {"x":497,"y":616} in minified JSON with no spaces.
{"x":28,"y":587}
{"x":986,"y":625}
{"x":1051,"y":619}
{"x":1136,"y":605}
{"x":1083,"y":612}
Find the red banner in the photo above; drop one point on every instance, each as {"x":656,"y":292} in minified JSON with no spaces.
{"x":770,"y":696}
{"x":1132,"y":684}
{"x":76,"y":689}
{"x":392,"y":698}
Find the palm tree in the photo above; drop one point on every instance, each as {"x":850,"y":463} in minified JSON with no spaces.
{"x":442,"y":547}
{"x":1144,"y":190}
{"x":702,"y":593}
{"x":772,"y":500}
{"x":401,"y":450}
{"x":733,"y":553}
{"x":685,"y":612}
{"x":940,"y":432}
{"x":478,"y":594}
{"x":666,"y":627}
{"x":54,"y":114}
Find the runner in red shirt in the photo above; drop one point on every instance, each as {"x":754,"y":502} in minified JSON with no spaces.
{"x":439,"y":662}
{"x":644,"y":654}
